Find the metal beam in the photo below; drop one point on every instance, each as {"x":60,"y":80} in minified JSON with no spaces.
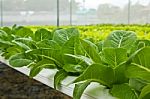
{"x":129,"y":8}
{"x":85,"y":15}
{"x":58,"y":18}
{"x":1,"y":14}
{"x":71,"y":12}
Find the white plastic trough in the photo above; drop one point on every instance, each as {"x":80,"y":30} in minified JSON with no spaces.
{"x":46,"y":76}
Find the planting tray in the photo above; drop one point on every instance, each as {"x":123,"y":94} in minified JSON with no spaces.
{"x":46,"y":76}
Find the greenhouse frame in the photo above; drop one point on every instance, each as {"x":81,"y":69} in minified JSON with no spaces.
{"x":74,"y":12}
{"x":75,"y":49}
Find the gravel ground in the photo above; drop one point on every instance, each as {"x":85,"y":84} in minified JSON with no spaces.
{"x":14,"y":85}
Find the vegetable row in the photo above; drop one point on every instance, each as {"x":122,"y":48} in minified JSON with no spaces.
{"x":121,"y":61}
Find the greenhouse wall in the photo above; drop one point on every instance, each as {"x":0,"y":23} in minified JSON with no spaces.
{"x":74,"y":12}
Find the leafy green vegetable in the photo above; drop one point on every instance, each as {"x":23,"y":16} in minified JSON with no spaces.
{"x":142,"y":57}
{"x":137,"y":84}
{"x":71,"y":47}
{"x":22,"y":32}
{"x":123,"y":39}
{"x":73,"y":68}
{"x":87,"y":60}
{"x":37,"y":67}
{"x":62,"y":35}
{"x":145,"y":93}
{"x":19,"y":60}
{"x":91,"y":51}
{"x":10,"y":51}
{"x":123,"y":91}
{"x":99,"y":73}
{"x":115,"y":57}
{"x":140,"y":67}
{"x":79,"y":89}
{"x":138,"y":71}
{"x":59,"y":76}
{"x":43,"y":34}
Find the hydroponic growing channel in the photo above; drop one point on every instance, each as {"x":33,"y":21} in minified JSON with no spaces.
{"x":117,"y":66}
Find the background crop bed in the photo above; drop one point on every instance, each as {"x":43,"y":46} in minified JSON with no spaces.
{"x":15,"y":85}
{"x":100,"y":32}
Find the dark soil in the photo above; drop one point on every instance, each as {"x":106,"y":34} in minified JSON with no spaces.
{"x":14,"y":85}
